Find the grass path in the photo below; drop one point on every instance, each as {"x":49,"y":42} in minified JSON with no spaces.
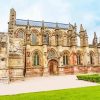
{"x":86,"y":93}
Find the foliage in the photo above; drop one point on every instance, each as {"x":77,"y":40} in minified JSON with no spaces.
{"x":91,"y":78}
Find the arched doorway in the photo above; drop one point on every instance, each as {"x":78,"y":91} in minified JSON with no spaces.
{"x":53,"y":67}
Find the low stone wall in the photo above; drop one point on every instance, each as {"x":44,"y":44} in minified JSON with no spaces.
{"x":16,"y":74}
{"x":34,"y":72}
{"x":69,"y":70}
{"x":82,"y":69}
{"x":95,"y":69}
{"x":63,"y":70}
{"x":12,"y":74}
{"x":4,"y":75}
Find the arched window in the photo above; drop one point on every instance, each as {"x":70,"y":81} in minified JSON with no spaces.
{"x":91,"y":58}
{"x":78,"y":59}
{"x":36,"y":59}
{"x":46,"y":39}
{"x":34,"y":39}
{"x":65,"y":59}
{"x":20,"y":34}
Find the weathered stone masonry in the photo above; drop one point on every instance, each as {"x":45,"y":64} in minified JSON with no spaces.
{"x":37,"y":48}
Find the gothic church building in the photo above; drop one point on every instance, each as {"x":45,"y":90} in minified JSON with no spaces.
{"x":37,"y":48}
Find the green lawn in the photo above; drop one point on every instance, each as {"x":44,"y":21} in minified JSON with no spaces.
{"x":87,"y":93}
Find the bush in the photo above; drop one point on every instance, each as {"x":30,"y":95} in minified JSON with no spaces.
{"x":91,"y":78}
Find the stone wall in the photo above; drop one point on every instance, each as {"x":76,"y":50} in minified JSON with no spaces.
{"x":16,"y":67}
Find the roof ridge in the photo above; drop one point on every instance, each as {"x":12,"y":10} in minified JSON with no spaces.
{"x":41,"y":21}
{"x":39,"y":24}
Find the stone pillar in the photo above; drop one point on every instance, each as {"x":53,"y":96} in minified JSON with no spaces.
{"x":11,"y":23}
{"x":45,"y":62}
{"x":28,"y":61}
{"x":86,"y":58}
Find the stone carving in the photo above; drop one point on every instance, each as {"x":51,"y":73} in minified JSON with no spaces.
{"x":16,"y":47}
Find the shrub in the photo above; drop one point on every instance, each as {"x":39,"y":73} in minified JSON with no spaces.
{"x":91,"y":78}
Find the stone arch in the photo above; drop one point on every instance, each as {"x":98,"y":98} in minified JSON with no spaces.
{"x":65,"y":52}
{"x":39,"y":55}
{"x":19,"y":33}
{"x":48,"y":31}
{"x":35,"y":31}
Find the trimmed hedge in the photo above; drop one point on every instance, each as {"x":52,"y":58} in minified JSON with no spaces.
{"x":91,"y":78}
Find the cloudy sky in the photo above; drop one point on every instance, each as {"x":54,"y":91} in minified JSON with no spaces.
{"x":86,"y":12}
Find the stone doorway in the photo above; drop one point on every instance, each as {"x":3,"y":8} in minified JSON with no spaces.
{"x":53,"y":67}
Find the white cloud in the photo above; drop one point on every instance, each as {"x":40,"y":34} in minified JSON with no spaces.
{"x":81,"y":12}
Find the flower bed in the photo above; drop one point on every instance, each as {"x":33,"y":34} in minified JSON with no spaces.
{"x":91,"y":78}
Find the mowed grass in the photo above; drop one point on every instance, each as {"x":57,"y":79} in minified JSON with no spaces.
{"x":87,"y":93}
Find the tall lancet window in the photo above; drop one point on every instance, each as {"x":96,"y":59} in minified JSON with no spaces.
{"x":65,"y":59}
{"x":91,"y":58}
{"x":36,"y":59}
{"x":46,"y":39}
{"x":78,"y":59}
{"x":34,"y":39}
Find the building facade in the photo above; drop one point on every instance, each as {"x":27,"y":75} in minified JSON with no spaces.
{"x":37,"y":48}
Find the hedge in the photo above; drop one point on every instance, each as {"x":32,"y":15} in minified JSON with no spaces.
{"x":91,"y":78}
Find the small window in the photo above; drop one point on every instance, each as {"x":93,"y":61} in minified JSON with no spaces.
{"x":36,"y":59}
{"x":65,"y":60}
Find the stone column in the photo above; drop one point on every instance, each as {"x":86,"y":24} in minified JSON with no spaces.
{"x":45,"y":62}
{"x":28,"y":60}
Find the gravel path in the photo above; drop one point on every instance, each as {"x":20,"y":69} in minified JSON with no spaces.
{"x":36,"y":84}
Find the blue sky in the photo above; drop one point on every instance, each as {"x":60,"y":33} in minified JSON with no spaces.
{"x":86,"y":12}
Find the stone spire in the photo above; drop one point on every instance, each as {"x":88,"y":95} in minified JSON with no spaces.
{"x":99,"y":39}
{"x":75,"y":27}
{"x":83,"y":38}
{"x":85,"y":41}
{"x":42,"y":27}
{"x":57,"y":26}
{"x":43,"y":23}
{"x":95,"y":36}
{"x":95,"y":39}
{"x":12,"y":21}
{"x":85,"y":33}
{"x":70,"y":27}
{"x":81,"y":28}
